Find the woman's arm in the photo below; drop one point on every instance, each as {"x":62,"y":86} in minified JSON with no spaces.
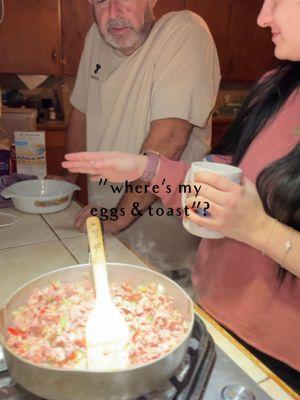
{"x":280,"y":242}
{"x":238,"y":213}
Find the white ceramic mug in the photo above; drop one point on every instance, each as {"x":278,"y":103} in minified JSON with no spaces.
{"x":229,"y":171}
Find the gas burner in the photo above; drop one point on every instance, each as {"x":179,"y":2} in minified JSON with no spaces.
{"x":189,"y":382}
{"x":8,"y":389}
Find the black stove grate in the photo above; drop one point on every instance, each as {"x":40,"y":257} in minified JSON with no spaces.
{"x":189,"y":383}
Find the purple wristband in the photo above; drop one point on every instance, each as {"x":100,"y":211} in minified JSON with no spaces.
{"x":151,"y":166}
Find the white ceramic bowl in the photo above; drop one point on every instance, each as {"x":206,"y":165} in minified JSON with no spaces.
{"x":40,"y":196}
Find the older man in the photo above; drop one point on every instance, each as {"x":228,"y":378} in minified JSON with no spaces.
{"x":144,"y":86}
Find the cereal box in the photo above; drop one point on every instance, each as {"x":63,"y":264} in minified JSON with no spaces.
{"x":31,"y":153}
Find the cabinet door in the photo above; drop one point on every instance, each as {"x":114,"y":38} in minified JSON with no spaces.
{"x":217,"y":14}
{"x":219,"y":129}
{"x":77,"y":18}
{"x":55,"y":154}
{"x":251,"y":48}
{"x":164,"y":6}
{"x":30,"y":37}
{"x":245,"y":50}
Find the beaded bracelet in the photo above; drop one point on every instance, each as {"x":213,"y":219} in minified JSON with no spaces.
{"x":288,"y":245}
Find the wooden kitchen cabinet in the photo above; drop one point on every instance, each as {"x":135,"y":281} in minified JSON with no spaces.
{"x":164,"y":6}
{"x":251,"y":49}
{"x":47,"y":36}
{"x":219,"y":127}
{"x":77,"y":18}
{"x":217,"y":14}
{"x":43,"y":37}
{"x":55,"y":154}
{"x":55,"y":150}
{"x":245,"y":50}
{"x":30,"y":37}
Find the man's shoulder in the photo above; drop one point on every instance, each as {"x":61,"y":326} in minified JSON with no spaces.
{"x":176,"y":20}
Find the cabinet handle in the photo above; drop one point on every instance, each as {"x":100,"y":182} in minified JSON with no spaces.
{"x":54,"y":55}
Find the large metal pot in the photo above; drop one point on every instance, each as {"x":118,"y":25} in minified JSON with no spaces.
{"x":59,"y":384}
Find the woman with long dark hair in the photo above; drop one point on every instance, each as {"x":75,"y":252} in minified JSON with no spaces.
{"x":249,"y":281}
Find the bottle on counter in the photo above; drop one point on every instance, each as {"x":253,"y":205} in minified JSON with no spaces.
{"x":4,"y":152}
{"x":52,"y":114}
{"x":13,"y":159}
{"x":4,"y":162}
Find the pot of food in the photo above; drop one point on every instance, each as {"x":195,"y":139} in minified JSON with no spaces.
{"x":42,"y":331}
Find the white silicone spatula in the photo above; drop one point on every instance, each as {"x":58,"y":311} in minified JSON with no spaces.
{"x":107,"y":332}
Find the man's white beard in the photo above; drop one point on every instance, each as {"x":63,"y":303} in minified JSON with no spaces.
{"x":135,"y":39}
{"x":132,"y":41}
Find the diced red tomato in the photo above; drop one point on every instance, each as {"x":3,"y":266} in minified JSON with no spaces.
{"x":80,"y":342}
{"x":136,"y":334}
{"x":15,"y":331}
{"x":134,"y":297}
{"x":126,"y":287}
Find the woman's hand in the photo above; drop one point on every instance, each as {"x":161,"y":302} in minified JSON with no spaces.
{"x":115,"y":166}
{"x":234,"y":210}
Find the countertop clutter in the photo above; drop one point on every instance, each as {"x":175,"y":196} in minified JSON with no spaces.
{"x":38,"y":244}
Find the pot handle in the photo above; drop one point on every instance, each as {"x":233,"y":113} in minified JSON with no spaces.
{"x":2,"y":328}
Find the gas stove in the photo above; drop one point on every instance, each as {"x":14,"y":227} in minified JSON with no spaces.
{"x":207,"y":373}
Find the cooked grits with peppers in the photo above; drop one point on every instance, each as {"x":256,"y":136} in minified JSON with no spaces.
{"x":49,"y":329}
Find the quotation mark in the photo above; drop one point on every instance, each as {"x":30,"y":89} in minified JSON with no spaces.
{"x":102,"y":181}
{"x":196,"y":204}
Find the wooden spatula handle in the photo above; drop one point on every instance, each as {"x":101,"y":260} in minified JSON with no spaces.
{"x":95,"y":238}
{"x":98,"y":260}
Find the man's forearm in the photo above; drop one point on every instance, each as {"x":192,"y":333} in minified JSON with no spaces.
{"x":130,"y":203}
{"x":169,"y":137}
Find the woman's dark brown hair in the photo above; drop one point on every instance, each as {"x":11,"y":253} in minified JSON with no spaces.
{"x":278,"y":184}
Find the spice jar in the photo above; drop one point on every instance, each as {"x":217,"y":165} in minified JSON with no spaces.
{"x":52,"y":114}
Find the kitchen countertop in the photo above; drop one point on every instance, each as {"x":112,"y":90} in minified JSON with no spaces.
{"x":218,"y":117}
{"x":39,"y":244}
{"x":52,"y":125}
{"x":223,"y":118}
